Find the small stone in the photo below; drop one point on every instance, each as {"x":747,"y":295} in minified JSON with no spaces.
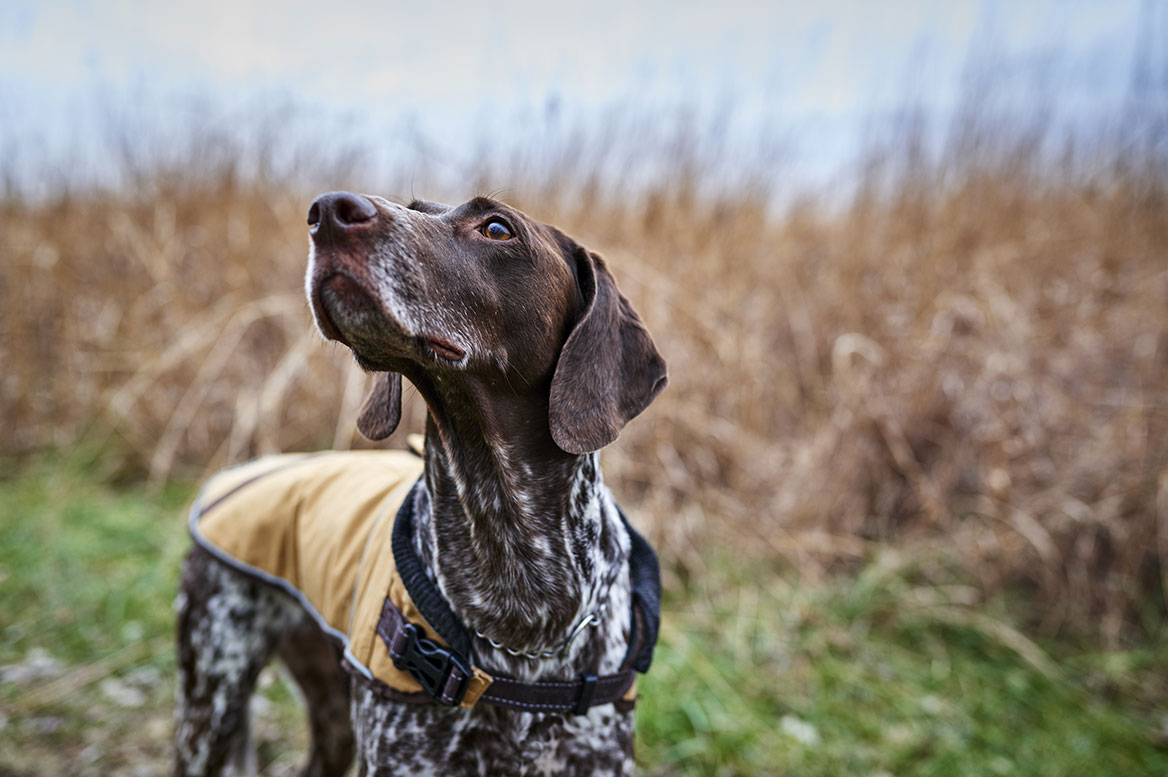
{"x":799,"y":730}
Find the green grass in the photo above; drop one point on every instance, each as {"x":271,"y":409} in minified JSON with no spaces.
{"x":88,"y":567}
{"x":757,"y":671}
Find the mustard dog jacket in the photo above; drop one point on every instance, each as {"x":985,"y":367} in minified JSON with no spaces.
{"x":321,"y":527}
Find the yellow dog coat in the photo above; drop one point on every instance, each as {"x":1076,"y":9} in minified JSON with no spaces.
{"x":320,"y":527}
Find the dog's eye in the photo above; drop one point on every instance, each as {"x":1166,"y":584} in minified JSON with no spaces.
{"x":496,"y":230}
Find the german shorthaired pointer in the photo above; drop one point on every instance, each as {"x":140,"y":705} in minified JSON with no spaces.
{"x":530,"y":360}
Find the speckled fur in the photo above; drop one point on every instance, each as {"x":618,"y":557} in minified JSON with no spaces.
{"x":521,"y":536}
{"x":228,"y":627}
{"x":231,"y":624}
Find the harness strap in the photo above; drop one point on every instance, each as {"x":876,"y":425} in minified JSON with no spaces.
{"x":449,"y":678}
{"x":575,"y":697}
{"x":424,"y":594}
{"x":645,"y":578}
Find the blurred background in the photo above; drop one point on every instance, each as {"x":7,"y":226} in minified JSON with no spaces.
{"x":908,"y":263}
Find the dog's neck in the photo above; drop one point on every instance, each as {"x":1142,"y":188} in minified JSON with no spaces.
{"x":523,"y":538}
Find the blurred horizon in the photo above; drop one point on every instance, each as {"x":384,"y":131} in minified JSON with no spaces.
{"x":794,"y":92}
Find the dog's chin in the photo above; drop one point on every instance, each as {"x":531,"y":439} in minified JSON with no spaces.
{"x":335,"y":301}
{"x":347,"y":314}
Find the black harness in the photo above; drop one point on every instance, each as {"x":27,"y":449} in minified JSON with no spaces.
{"x":444,"y":672}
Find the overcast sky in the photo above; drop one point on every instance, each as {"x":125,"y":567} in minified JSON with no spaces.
{"x":458,"y":70}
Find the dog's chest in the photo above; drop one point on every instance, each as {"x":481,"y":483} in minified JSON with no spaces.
{"x":325,"y":542}
{"x":419,"y":740}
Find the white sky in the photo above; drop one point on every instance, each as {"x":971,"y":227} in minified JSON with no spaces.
{"x":461,"y":69}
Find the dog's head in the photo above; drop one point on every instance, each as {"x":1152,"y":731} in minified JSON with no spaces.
{"x":482,"y":298}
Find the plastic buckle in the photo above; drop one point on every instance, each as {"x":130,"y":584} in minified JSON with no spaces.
{"x":432,"y":665}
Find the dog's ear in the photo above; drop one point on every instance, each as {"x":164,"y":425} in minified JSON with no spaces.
{"x":608,"y":371}
{"x":382,"y":409}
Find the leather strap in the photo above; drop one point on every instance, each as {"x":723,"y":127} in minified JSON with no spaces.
{"x":576,"y":696}
{"x":448,"y":677}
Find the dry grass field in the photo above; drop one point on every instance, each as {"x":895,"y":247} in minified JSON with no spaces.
{"x":970,"y":353}
{"x":964,"y":364}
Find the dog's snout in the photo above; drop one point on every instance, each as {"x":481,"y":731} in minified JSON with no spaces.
{"x":340,"y":211}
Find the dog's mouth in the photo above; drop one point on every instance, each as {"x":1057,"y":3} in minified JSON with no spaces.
{"x":342,"y":305}
{"x":445,"y":349}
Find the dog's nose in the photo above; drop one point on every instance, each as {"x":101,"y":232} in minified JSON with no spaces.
{"x":340,"y":211}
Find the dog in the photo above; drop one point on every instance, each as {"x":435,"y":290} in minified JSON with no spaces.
{"x":527,"y":578}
